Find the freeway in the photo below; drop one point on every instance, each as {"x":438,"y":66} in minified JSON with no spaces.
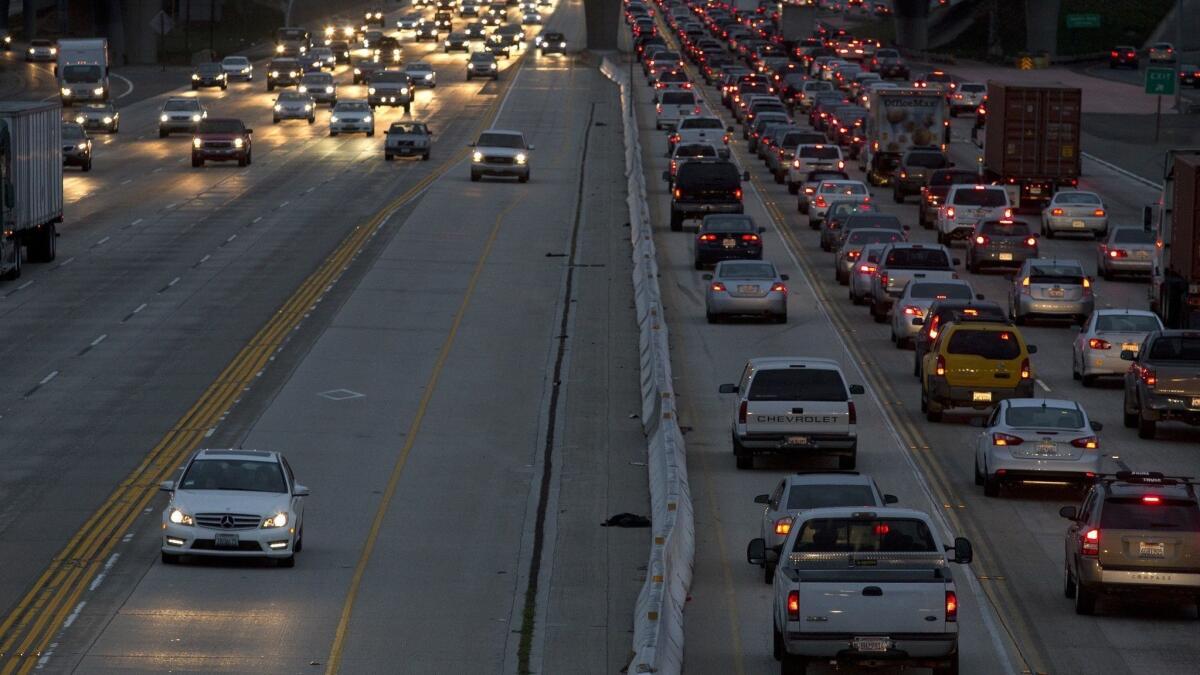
{"x":446,"y":364}
{"x":1018,"y":619}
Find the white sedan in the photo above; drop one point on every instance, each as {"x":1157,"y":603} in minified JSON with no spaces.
{"x":1097,"y":348}
{"x":1036,"y":441}
{"x":1075,"y":211}
{"x":421,"y":73}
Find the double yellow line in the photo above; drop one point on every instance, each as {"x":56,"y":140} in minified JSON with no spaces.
{"x":36,"y":619}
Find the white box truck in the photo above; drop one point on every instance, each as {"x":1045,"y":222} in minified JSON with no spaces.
{"x":31,"y":185}
{"x":897,"y":120}
{"x":82,"y":70}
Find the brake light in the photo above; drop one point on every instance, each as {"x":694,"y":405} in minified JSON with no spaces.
{"x":841,"y":164}
{"x":820,"y":201}
{"x":808,"y":189}
{"x":853,"y":255}
{"x":1113,"y":53}
{"x":1151,"y":499}
{"x":950,"y":213}
{"x":708,"y":237}
{"x":981,"y":240}
{"x":951,"y":606}
{"x":1031,"y":241}
{"x":1088,"y":443}
{"x":1026,"y":369}
{"x":1097,"y":343}
{"x":749,"y":237}
{"x":1089,"y":544}
{"x":1025,"y":289}
{"x":1117,"y":253}
{"x":913,"y":311}
{"x":1004,"y":440}
{"x":1008,"y":213}
{"x":793,"y":605}
{"x":853,"y":413}
{"x":678,"y":193}
{"x":783,"y":525}
{"x":940,"y":366}
{"x":742,"y":411}
{"x":778,"y":288}
{"x":1147,"y":376}
{"x":725,"y":138}
{"x":674,"y":138}
{"x":883,"y":279}
{"x":867,"y":268}
{"x":1131,"y":54}
{"x":1099,"y":213}
{"x":737,"y":194}
{"x":1087,"y":286}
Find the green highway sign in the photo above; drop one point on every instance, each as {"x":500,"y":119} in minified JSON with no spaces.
{"x":1083,"y":21}
{"x":1160,"y":81}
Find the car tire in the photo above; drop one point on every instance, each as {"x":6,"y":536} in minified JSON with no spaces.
{"x":781,"y":318}
{"x":274,"y":120}
{"x":224,"y":87}
{"x":162,"y":133}
{"x":854,"y":299}
{"x":978,"y":473}
{"x":991,"y":487}
{"x":676,"y":222}
{"x":878,"y":316}
{"x":332,"y":132}
{"x":793,"y":665}
{"x":288,"y":562}
{"x":169,"y":558}
{"x":1088,"y":381}
{"x":270,"y":86}
{"x":86,"y":166}
{"x":242,"y":161}
{"x":370,"y":133}
{"x":779,"y":178}
{"x":425,"y":157}
{"x":1085,"y":600}
{"x":814,"y":223}
{"x":1068,"y":584}
{"x":776,"y":644}
{"x":1049,"y":232}
{"x":299,"y":545}
{"x":311,"y":120}
{"x":197,"y":162}
{"x":769,"y":573}
{"x":474,"y":177}
{"x":793,"y":188}
{"x":387,"y":156}
{"x":1146,"y":428}
{"x":698,"y":264}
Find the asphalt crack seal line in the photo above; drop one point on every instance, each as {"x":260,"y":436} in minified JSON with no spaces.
{"x":38,"y":616}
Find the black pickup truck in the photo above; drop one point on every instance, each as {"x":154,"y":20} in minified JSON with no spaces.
{"x":703,"y":187}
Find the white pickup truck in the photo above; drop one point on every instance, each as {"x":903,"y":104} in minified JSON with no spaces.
{"x":796,"y":406}
{"x":701,"y":129}
{"x":866,"y":586}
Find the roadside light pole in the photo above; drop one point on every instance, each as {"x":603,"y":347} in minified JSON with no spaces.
{"x":1178,"y":56}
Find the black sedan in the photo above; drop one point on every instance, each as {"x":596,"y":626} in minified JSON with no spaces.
{"x":727,"y":236}
{"x":1123,"y":56}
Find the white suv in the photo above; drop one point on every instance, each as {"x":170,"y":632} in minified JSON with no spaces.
{"x":812,"y":157}
{"x":967,"y":205}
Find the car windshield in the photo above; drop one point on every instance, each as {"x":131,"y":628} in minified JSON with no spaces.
{"x":702,"y":123}
{"x":746,"y":270}
{"x":1176,"y":348}
{"x":936,"y":291}
{"x":417,"y":67}
{"x":411,"y":128}
{"x":1004,"y":228}
{"x":293,"y":96}
{"x":803,"y":497}
{"x":1131,"y":235}
{"x":501,"y":141}
{"x":181,"y":104}
{"x":81,"y":73}
{"x":1055,"y":274}
{"x":1076,"y":198}
{"x":678,"y":98}
{"x":317,"y":78}
{"x":988,"y":344}
{"x":1127,"y":323}
{"x":239,"y":61}
{"x":872,"y":236}
{"x":1131,"y":513}
{"x":209,"y":69}
{"x":553,"y":37}
{"x":847,"y":535}
{"x":220,"y":127}
{"x":926,"y":160}
{"x":798,"y":384}
{"x":729,"y":223}
{"x":72,"y":132}
{"x":351,"y":107}
{"x":887,"y":54}
{"x":482,"y":57}
{"x":234,"y":474}
{"x":1043,"y":417}
{"x":981,"y":197}
{"x":389,"y":76}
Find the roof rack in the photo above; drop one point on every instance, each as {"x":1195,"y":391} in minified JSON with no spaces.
{"x":1145,"y":478}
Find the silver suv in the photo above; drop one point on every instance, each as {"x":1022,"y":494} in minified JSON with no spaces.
{"x":407,"y":139}
{"x":500,"y":153}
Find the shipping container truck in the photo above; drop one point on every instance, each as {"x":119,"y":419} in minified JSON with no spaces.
{"x":31,"y":205}
{"x":897,"y":120}
{"x":1031,"y":141}
{"x":796,"y":22}
{"x":82,"y":70}
{"x":1175,"y":269}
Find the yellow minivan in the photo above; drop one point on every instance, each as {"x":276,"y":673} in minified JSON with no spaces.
{"x":974,"y":365}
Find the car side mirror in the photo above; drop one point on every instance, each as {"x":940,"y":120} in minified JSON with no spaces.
{"x":762,"y":230}
{"x":530,"y":148}
{"x":1069,"y":513}
{"x":1096,"y":426}
{"x":918,"y":321}
{"x":955,"y":261}
{"x":249,"y":131}
{"x":1032,"y":349}
{"x":707,"y":277}
{"x":756,"y":552}
{"x":857,"y":389}
{"x":890,"y":499}
{"x":167,"y":486}
{"x":300,"y":490}
{"x":470,"y":145}
{"x":727,"y":389}
{"x":1128,"y":355}
{"x":762,"y":499}
{"x":963,"y":553}
{"x":979,"y":296}
{"x":784,"y":277}
{"x":1148,"y":218}
{"x":1077,"y":328}
{"x":729,"y":129}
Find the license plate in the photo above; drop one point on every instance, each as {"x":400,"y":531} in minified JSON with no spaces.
{"x":1131,"y":346}
{"x":1151,"y":549}
{"x":1047,"y":448}
{"x":729,"y":243}
{"x":1195,"y":402}
{"x":1056,"y":292}
{"x":1078,"y":224}
{"x":981,"y":396}
{"x":797,"y":440}
{"x":1141,"y":254}
{"x":226,"y":540}
{"x":747,"y":289}
{"x":871,"y":644}
{"x":1035,"y":190}
{"x":1006,"y":256}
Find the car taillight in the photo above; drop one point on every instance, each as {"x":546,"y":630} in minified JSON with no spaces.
{"x":1087,"y":286}
{"x":1147,"y":376}
{"x":819,"y":201}
{"x":1087,"y":443}
{"x":1031,"y":241}
{"x":793,"y":606}
{"x":658,"y":108}
{"x":783,"y":525}
{"x":940,"y":366}
{"x":737,"y":194}
{"x":718,"y":287}
{"x":742,"y":412}
{"x":808,"y":189}
{"x":1117,"y":253}
{"x":883,"y":279}
{"x":910,"y":310}
{"x":853,"y":255}
{"x":950,"y":213}
{"x":867,"y":268}
{"x":1151,"y":499}
{"x":696,"y":110}
{"x":678,"y":193}
{"x":1099,"y":213}
{"x":853,"y":413}
{"x":725,"y":138}
{"x":1097,"y":343}
{"x":1008,"y":213}
{"x":778,"y":288}
{"x":951,"y":606}
{"x":708,"y":237}
{"x":674,"y":138}
{"x":749,"y":237}
{"x":1025,"y":287}
{"x":841,"y":164}
{"x":1004,"y":440}
{"x":1026,"y":369}
{"x":1089,"y":543}
{"x":981,"y":240}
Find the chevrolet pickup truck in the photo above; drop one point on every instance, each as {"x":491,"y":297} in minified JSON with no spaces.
{"x":867,"y":586}
{"x":901,"y":263}
{"x":796,"y":406}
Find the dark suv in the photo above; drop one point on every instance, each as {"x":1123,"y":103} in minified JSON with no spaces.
{"x":283,"y":73}
{"x":1163,"y":384}
{"x":221,"y":140}
{"x":915,"y":167}
{"x":1136,"y":535}
{"x":703,"y":187}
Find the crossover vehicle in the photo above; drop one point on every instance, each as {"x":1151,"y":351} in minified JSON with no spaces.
{"x":238,"y":68}
{"x":975,"y":365}
{"x":967,"y":205}
{"x":705,"y":186}
{"x":482,"y":64}
{"x":944,"y":312}
{"x":552,"y":43}
{"x":829,"y":190}
{"x":846,"y":259}
{"x":457,"y":41}
{"x":283,"y":72}
{"x":421,"y":73}
{"x":914,"y":170}
{"x":364,"y":70}
{"x":1051,"y":288}
{"x":686,"y":152}
{"x":76,"y":146}
{"x":392,"y":88}
{"x":840,"y":210}
{"x":1123,"y":56}
{"x":180,"y":114}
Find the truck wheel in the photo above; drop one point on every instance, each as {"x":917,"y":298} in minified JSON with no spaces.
{"x":776,"y":644}
{"x":676,"y":222}
{"x":15,"y":272}
{"x":793,"y":665}
{"x":793,"y":188}
{"x":45,"y":247}
{"x":241,"y":161}
{"x":769,"y":573}
{"x":1068,"y":583}
{"x":1146,"y":428}
{"x":87,"y":166}
{"x":1130,"y":418}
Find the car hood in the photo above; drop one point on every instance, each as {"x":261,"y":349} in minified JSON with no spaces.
{"x":493,"y":151}
{"x":193,"y":502}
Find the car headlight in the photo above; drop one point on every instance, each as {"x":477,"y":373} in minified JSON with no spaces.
{"x":307,"y":107}
{"x":66,"y":91}
{"x":291,"y":73}
{"x":563,"y":45}
{"x":302,"y":89}
{"x":163,"y":117}
{"x":79,"y":119}
{"x":245,"y":70}
{"x":333,"y":118}
{"x":278,"y":107}
{"x":521,"y":158}
{"x":429,"y":76}
{"x":53,"y":50}
{"x":108,"y":120}
{"x":278,"y":49}
{"x":370,"y":90}
{"x":31,"y":50}
{"x":98,"y":91}
{"x":493,"y":66}
{"x":329,"y":89}
{"x":477,"y":156}
{"x":446,"y":42}
{"x":196,"y":142}
{"x":367,"y":119}
{"x":403,"y":90}
{"x":237,"y":142}
{"x":196,"y":117}
{"x":357,"y":71}
{"x":82,"y":146}
{"x":277,"y":520}
{"x":195,"y":76}
{"x":180,"y":518}
{"x":274,"y":73}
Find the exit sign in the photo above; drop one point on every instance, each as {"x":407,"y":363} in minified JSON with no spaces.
{"x":1160,"y":81}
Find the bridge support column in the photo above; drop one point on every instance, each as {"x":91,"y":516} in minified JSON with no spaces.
{"x":912,"y":23}
{"x":603,"y":19}
{"x":1041,"y":25}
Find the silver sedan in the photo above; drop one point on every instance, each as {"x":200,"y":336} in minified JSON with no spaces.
{"x":1036,"y":441}
{"x":1051,"y":289}
{"x":845,"y":258}
{"x":1107,"y":332}
{"x":745,"y":288}
{"x":864,"y":271}
{"x":1126,"y":250}
{"x":915,"y":301}
{"x":1075,"y":211}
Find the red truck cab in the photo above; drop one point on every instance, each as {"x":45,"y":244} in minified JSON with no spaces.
{"x":221,"y":140}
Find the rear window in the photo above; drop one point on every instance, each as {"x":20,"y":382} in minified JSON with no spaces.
{"x":678,"y":98}
{"x":818,"y":86}
{"x":873,"y":236}
{"x":887,"y":54}
{"x":803,"y":497}
{"x":1127,"y":513}
{"x":926,"y":160}
{"x":728,"y":224}
{"x":1129,"y":235}
{"x":747,"y":270}
{"x":702,"y":123}
{"x":1055,"y":274}
{"x":1076,"y":198}
{"x":1043,"y":417}
{"x":1127,"y":323}
{"x":896,"y":535}
{"x":989,"y":344}
{"x":714,"y":175}
{"x":1176,"y":348}
{"x":666,"y":56}
{"x":798,"y":384}
{"x":843,"y":188}
{"x":951,"y":177}
{"x":925,"y":290}
{"x":673,"y":76}
{"x":985,"y":197}
{"x":964,"y":314}
{"x":973,"y":88}
{"x":746,"y":89}
{"x":873,"y":220}
{"x":918,"y":258}
{"x":1015,"y":228}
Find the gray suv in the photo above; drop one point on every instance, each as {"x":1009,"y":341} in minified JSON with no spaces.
{"x":915,"y":167}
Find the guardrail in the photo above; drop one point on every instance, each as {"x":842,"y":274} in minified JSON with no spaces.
{"x":658,"y":618}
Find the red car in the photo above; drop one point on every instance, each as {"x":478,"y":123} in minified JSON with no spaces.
{"x":221,"y":140}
